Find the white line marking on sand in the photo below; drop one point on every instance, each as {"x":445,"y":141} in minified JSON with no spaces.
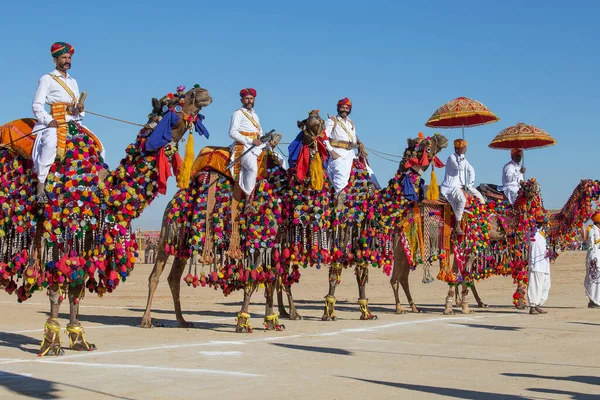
{"x":154,"y":368}
{"x":220,"y":353}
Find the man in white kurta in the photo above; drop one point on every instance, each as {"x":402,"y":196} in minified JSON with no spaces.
{"x":592,"y":261}
{"x":458,"y":179}
{"x":539,"y":269}
{"x":512,"y":175}
{"x":51,"y":91}
{"x":341,"y":142}
{"x":245,"y":129}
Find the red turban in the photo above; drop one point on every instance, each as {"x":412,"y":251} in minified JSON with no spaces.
{"x":515,"y":152}
{"x":345,"y":102}
{"x":60,"y":48}
{"x":248,"y":92}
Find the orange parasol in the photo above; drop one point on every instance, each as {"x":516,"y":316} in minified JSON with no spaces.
{"x":522,"y":136}
{"x":460,"y":113}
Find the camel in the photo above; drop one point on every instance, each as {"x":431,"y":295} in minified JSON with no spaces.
{"x":209,"y":224}
{"x":83,"y":233}
{"x":358,"y":234}
{"x":495,"y":252}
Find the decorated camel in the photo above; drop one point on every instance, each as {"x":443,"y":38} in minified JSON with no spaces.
{"x":81,"y":238}
{"x":360,"y":233}
{"x":224,"y":244}
{"x":495,"y":243}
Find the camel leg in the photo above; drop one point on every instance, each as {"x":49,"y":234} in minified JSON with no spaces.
{"x":335,"y":275}
{"x":362,"y":277}
{"x":465,"y":299}
{"x":522,"y":301}
{"x":174,"y":280}
{"x":51,"y":341}
{"x":280,"y":306}
{"x":480,"y":303}
{"x":294,"y":315}
{"x":405,"y":286}
{"x":271,"y":321}
{"x":399,"y":261}
{"x":448,"y":310}
{"x":153,"y":280}
{"x":243,"y":318}
{"x":75,"y":331}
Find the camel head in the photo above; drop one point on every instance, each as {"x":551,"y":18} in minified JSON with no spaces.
{"x":530,"y":188}
{"x":311,"y":126}
{"x":183,"y":111}
{"x":421,"y":152}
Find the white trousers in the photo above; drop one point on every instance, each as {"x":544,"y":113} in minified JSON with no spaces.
{"x":592,"y":280}
{"x":511,"y":194}
{"x":538,"y":288}
{"x":248,"y":172}
{"x":339,"y":170}
{"x":457,"y":199}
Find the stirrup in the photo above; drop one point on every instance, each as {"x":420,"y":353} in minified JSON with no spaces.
{"x":51,"y":340}
{"x":243,"y":322}
{"x":42,"y":198}
{"x":76,"y":336}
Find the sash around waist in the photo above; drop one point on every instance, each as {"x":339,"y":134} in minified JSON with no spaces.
{"x":342,"y":144}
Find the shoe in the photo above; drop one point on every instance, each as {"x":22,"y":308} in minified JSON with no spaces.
{"x":340,"y":200}
{"x":540,"y":310}
{"x":533,"y":311}
{"x":591,"y":304}
{"x":459,"y":230}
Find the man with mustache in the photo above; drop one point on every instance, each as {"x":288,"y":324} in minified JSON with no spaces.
{"x":512,"y":175}
{"x":245,"y":129}
{"x":59,"y":90}
{"x":341,"y":142}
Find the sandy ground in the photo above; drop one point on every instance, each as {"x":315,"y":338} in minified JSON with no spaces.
{"x":496,"y":353}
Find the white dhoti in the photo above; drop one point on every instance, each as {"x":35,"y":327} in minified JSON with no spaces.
{"x":248,"y":170}
{"x":457,"y":199}
{"x":538,"y":288}
{"x":44,"y":151}
{"x":511,"y":193}
{"x":592,"y":269}
{"x":339,"y":170}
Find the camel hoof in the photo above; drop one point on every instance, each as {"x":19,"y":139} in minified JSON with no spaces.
{"x":448,"y":312}
{"x":295,"y":317}
{"x":401,"y":311}
{"x":239,"y":329}
{"x":328,"y":318}
{"x":284,"y":314}
{"x":482,"y":305}
{"x":146,"y":323}
{"x":416,"y":310}
{"x":79,"y":346}
{"x":467,"y":311}
{"x":185,"y":324}
{"x":521,"y":307}
{"x":368,"y":317}
{"x":52,"y":353}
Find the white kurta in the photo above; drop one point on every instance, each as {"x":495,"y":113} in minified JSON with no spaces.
{"x":248,"y":163}
{"x":49,"y":92}
{"x":459,"y":174}
{"x":592,"y":271}
{"x":339,"y":170}
{"x":539,"y":270}
{"x":511,"y":179}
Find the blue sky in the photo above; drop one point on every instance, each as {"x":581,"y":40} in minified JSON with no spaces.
{"x":535,"y":62}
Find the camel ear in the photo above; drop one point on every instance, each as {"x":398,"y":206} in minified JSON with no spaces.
{"x":300,"y":124}
{"x":155,"y":105}
{"x":411,"y":142}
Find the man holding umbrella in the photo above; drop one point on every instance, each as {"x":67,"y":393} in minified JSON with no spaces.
{"x":512,"y":175}
{"x":459,"y":181}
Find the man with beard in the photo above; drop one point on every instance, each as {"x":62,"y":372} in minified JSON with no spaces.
{"x":341,"y":142}
{"x":512,"y":175}
{"x":59,"y":90}
{"x":245,"y":129}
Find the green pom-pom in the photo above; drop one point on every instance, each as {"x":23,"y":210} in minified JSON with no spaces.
{"x":196,"y":85}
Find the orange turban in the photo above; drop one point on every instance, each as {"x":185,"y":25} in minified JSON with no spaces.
{"x":345,"y":102}
{"x":515,"y":152}
{"x":596,"y":217}
{"x":460,"y":143}
{"x":540,"y":217}
{"x":248,"y":92}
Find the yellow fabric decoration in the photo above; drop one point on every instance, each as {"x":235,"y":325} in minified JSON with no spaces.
{"x":433,"y":192}
{"x":183,"y":180}
{"x":316,"y":172}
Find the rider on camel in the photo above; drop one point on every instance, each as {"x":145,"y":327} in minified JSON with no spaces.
{"x":341,"y":142}
{"x":59,"y":90}
{"x":512,"y":175}
{"x":459,"y":181}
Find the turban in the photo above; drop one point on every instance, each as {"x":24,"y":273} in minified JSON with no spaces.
{"x":514,"y":152}
{"x":460,"y":143}
{"x":248,"y":92}
{"x":60,"y":48}
{"x":540,"y":217}
{"x":345,"y":102}
{"x":596,"y":217}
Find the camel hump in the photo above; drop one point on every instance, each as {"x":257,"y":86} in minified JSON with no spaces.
{"x":212,"y":158}
{"x":16,"y":136}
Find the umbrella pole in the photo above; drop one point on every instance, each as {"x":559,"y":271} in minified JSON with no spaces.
{"x":523,"y":160}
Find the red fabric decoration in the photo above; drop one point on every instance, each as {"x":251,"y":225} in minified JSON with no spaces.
{"x":60,"y":48}
{"x":248,"y":92}
{"x":304,"y":156}
{"x":164,"y":171}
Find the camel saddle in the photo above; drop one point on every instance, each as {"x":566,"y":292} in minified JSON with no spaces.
{"x":490,"y":192}
{"x":16,"y":136}
{"x":215,"y":158}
